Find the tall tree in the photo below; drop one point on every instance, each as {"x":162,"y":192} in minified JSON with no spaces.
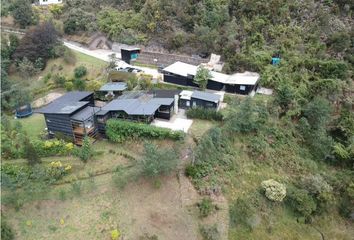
{"x":202,"y":76}
{"x":38,"y":43}
{"x":30,"y":152}
{"x":22,"y":12}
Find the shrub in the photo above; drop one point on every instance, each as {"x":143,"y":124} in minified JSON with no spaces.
{"x":79,"y":84}
{"x":205,"y":207}
{"x":69,"y":56}
{"x":115,"y":234}
{"x":76,"y":188}
{"x":6,"y":231}
{"x":204,"y":113}
{"x":158,"y":161}
{"x":119,"y":131}
{"x":210,"y":232}
{"x":274,"y":190}
{"x":242,"y":211}
{"x":59,"y":80}
{"x":69,"y":86}
{"x":80,"y":71}
{"x":85,"y":152}
{"x":301,"y":201}
{"x":320,"y":190}
{"x":30,"y":153}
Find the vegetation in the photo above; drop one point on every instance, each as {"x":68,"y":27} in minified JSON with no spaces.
{"x":274,"y":191}
{"x":204,"y":113}
{"x":201,"y":77}
{"x":119,"y":131}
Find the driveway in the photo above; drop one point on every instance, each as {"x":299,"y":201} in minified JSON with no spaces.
{"x":178,"y":122}
{"x":104,"y":55}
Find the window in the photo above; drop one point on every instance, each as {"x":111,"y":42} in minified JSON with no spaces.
{"x":194,"y":104}
{"x":242,"y":88}
{"x":188,"y":103}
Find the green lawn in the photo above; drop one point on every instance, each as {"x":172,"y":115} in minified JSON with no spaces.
{"x":33,"y":125}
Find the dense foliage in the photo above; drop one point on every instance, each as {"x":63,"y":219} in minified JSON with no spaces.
{"x":204,"y":113}
{"x":119,"y":131}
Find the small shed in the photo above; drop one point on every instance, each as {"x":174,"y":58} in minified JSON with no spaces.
{"x":129,"y":54}
{"x":188,"y":99}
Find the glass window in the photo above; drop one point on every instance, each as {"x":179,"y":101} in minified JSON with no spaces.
{"x":188,"y":103}
{"x":242,"y":87}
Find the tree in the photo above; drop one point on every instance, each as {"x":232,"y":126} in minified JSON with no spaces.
{"x":30,"y":152}
{"x":158,"y":161}
{"x":112,"y":61}
{"x":301,"y":201}
{"x":26,"y":68}
{"x":284,"y":96}
{"x":85,"y":153}
{"x":201,"y":77}
{"x":22,"y":12}
{"x":79,"y":84}
{"x":38,"y":42}
{"x":318,"y":112}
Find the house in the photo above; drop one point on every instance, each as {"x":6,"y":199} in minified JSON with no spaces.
{"x":71,"y":115}
{"x":112,"y":89}
{"x":183,"y":74}
{"x":129,"y":54}
{"x":188,"y":99}
{"x":47,"y":2}
{"x":137,"y":106}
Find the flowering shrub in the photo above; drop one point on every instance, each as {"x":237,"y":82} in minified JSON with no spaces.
{"x":115,"y":234}
{"x":274,"y":190}
{"x":57,"y":170}
{"x":53,"y":147}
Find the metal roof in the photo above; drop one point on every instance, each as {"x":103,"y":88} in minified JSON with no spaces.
{"x":85,"y":113}
{"x":211,"y":97}
{"x":185,"y":69}
{"x":114,"y":86}
{"x":66,"y":104}
{"x":136,"y":103}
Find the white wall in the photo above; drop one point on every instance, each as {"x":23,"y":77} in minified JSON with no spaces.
{"x":46,"y":2}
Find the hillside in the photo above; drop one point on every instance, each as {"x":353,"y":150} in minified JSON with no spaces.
{"x":269,"y":167}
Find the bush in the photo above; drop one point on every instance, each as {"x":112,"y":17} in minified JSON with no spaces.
{"x":80,"y":71}
{"x":274,"y":190}
{"x":115,"y":234}
{"x":242,"y":211}
{"x":6,"y":231}
{"x":301,"y":201}
{"x":205,"y":207}
{"x":30,"y":152}
{"x":85,"y":152}
{"x":69,"y":56}
{"x":210,"y":232}
{"x":204,"y":113}
{"x":158,"y":161}
{"x":79,"y":84}
{"x":119,"y":131}
{"x":76,"y":187}
{"x":59,"y":80}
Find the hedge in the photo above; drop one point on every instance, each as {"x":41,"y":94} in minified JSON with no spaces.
{"x":204,"y":113}
{"x":119,"y":131}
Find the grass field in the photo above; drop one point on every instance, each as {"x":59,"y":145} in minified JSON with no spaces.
{"x":33,"y":125}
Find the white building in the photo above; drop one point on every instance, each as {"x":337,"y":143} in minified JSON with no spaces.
{"x":47,"y":2}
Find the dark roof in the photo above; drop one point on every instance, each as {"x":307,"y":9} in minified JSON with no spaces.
{"x":211,"y":97}
{"x":85,"y":113}
{"x":136,"y":103}
{"x":114,"y":86}
{"x":67,"y":104}
{"x":159,"y":93}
